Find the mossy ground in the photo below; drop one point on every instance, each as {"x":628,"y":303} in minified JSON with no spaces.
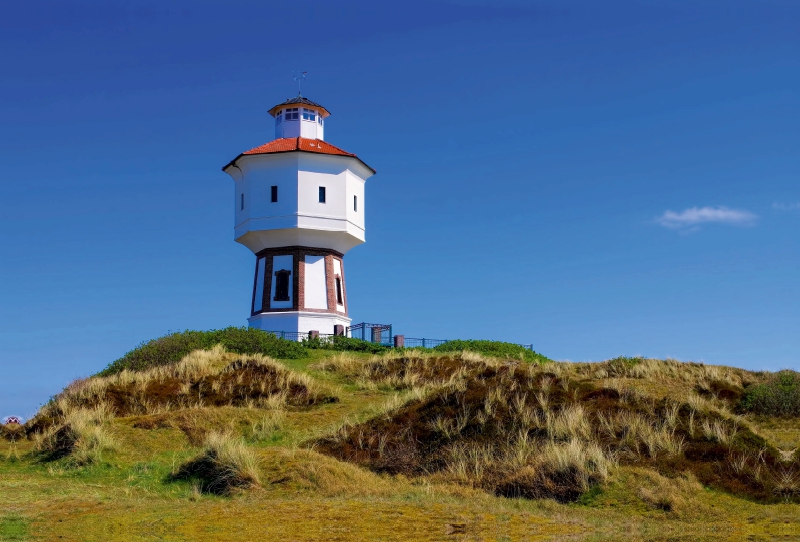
{"x":305,"y":495}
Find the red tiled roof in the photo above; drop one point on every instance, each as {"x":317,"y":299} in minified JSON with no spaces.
{"x":290,"y":144}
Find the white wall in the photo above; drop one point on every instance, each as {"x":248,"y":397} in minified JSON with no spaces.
{"x":298,"y":175}
{"x":310,"y":129}
{"x":302,"y":322}
{"x":279,"y":263}
{"x":316,"y":288}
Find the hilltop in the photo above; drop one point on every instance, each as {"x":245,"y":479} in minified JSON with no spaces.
{"x":235,"y":434}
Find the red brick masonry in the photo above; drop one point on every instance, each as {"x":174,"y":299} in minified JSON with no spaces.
{"x":299,"y":254}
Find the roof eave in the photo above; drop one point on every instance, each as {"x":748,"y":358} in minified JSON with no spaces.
{"x":363,"y":163}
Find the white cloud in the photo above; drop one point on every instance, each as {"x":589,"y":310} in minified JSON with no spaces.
{"x":786,"y":206}
{"x":691,"y":219}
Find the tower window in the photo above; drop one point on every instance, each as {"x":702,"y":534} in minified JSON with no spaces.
{"x":309,"y":114}
{"x":291,"y":113}
{"x":242,"y":203}
{"x":339,"y":291}
{"x":319,"y":119}
{"x":282,"y":285}
{"x":278,"y":119}
{"x":355,"y":203}
{"x":274,"y":194}
{"x":322,"y":194}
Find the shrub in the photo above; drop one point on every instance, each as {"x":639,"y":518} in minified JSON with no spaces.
{"x":346,"y":344}
{"x":173,"y":347}
{"x":225,"y":464}
{"x":82,"y":435}
{"x":778,"y":396}
{"x":496,"y":349}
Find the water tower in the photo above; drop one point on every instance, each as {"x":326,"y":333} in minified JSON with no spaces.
{"x":299,"y":207}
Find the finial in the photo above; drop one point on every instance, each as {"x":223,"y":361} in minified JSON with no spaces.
{"x":299,"y":76}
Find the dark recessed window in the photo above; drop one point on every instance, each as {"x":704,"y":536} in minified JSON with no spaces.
{"x":282,"y":285}
{"x":355,"y":203}
{"x":339,"y":291}
{"x":322,"y":194}
{"x":274,"y":194}
{"x":291,"y":113}
{"x":242,"y":203}
{"x":278,"y":119}
{"x":309,"y":114}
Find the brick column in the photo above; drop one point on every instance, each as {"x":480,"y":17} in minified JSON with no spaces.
{"x":399,"y":341}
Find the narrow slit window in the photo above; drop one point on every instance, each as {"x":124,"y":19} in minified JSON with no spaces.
{"x":339,"y":291}
{"x":355,"y":203}
{"x":282,"y":285}
{"x":274,"y":194}
{"x":241,"y":204}
{"x":322,"y":194}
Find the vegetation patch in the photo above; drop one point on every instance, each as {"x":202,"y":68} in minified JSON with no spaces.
{"x":340,"y":343}
{"x":496,"y":349}
{"x":523,"y":430}
{"x":225,"y":465}
{"x":174,"y":347}
{"x":13,"y":527}
{"x":778,"y":396}
{"x":81,"y":433}
{"x":204,"y":378}
{"x":11,"y":431}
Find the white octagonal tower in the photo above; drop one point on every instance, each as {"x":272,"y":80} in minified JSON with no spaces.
{"x":299,"y":206}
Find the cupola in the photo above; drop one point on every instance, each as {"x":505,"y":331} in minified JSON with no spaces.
{"x":299,"y":117}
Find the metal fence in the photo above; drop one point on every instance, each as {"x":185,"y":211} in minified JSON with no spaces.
{"x":297,"y":336}
{"x":374,"y":333}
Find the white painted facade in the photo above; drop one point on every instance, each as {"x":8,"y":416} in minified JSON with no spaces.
{"x":298,"y":218}
{"x":298,"y":120}
{"x":298,"y":321}
{"x":315,"y":287}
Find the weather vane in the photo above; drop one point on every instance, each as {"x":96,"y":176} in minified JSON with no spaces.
{"x":299,"y":76}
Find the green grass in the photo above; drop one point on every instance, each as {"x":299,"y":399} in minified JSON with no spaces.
{"x":495,"y":349}
{"x":173,"y":347}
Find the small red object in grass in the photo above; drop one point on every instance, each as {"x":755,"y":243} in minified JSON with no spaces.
{"x":13,"y":420}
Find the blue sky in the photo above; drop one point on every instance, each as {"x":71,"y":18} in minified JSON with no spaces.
{"x":599,"y":179}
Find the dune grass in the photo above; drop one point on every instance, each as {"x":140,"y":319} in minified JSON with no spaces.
{"x":578,"y":451}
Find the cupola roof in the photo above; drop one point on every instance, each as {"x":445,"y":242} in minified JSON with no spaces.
{"x":300,"y":100}
{"x":295,"y":144}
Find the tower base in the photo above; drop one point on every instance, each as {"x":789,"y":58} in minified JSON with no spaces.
{"x":298,"y":321}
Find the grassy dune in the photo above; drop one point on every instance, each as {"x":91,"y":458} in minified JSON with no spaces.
{"x":406,"y":445}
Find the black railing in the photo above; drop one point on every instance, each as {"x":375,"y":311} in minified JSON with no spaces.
{"x":374,"y":333}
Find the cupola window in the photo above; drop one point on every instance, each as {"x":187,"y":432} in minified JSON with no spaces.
{"x":278,"y":119}
{"x":291,"y":113}
{"x":309,"y":114}
{"x":319,"y":119}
